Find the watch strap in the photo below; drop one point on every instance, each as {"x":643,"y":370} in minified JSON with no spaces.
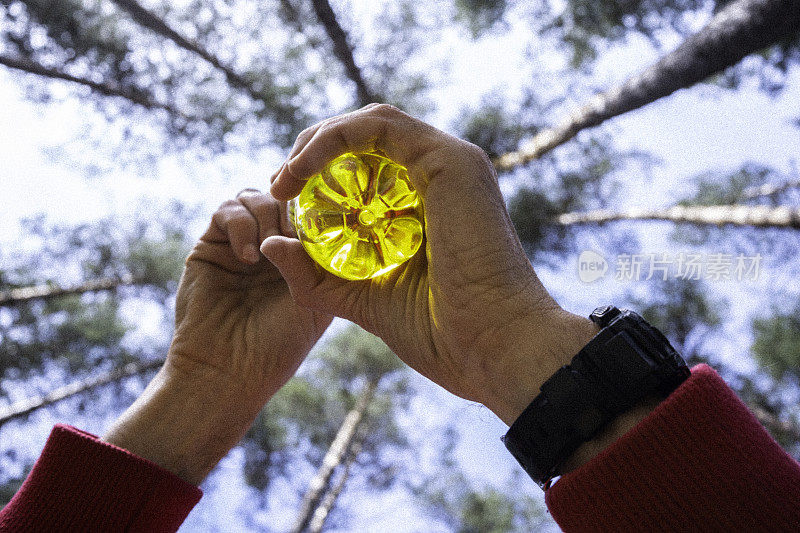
{"x":627,"y":361}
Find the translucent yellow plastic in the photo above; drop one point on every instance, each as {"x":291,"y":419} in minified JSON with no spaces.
{"x":360,"y":217}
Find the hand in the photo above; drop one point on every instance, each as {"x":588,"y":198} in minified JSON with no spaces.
{"x":239,"y":337}
{"x":234,"y":315}
{"x":468,"y":313}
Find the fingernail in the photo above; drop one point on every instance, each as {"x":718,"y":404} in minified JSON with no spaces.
{"x":251,"y":253}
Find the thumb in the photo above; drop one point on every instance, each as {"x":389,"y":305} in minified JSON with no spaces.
{"x":310,"y":285}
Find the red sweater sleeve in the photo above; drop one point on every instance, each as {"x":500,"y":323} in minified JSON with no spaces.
{"x":699,"y":462}
{"x":81,"y":483}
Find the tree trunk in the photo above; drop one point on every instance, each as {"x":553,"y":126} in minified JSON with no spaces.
{"x":334,"y":457}
{"x":149,"y":20}
{"x":140,"y":98}
{"x":44,"y":292}
{"x":343,"y":50}
{"x":30,"y":405}
{"x":326,"y":506}
{"x":739,"y":29}
{"x":717,"y":215}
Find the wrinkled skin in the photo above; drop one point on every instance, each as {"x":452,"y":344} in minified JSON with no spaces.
{"x":469,"y":313}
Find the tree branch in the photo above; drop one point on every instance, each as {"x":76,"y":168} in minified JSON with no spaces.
{"x":138,"y":97}
{"x":738,"y":30}
{"x":343,"y":50}
{"x":329,"y":501}
{"x":30,"y":405}
{"x":151,"y":21}
{"x":41,"y":292}
{"x":717,"y":215}
{"x":334,"y":457}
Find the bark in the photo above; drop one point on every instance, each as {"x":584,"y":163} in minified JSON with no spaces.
{"x":44,"y":292}
{"x":327,"y":504}
{"x":30,"y":405}
{"x":718,"y":215}
{"x":151,"y":21}
{"x":739,"y":29}
{"x":343,"y":50}
{"x":334,"y":457}
{"x":140,"y":98}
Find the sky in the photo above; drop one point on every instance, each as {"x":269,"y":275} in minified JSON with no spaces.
{"x":44,"y":159}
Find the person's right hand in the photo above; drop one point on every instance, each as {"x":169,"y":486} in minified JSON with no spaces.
{"x":468,"y":313}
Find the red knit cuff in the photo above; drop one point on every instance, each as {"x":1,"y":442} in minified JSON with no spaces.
{"x":81,"y":483}
{"x":699,"y":461}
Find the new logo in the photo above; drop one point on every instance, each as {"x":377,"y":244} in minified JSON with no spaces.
{"x":591,"y":266}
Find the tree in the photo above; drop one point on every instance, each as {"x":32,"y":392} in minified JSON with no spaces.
{"x":339,"y":413}
{"x":449,"y":496}
{"x":206,"y":76}
{"x":586,"y":27}
{"x":739,"y":29}
{"x":70,"y":332}
{"x":683,"y":310}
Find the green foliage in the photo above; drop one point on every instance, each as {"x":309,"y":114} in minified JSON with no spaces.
{"x":357,"y":354}
{"x":717,"y":188}
{"x":450,"y":497}
{"x":80,"y":36}
{"x":495,"y":127}
{"x":587,"y":27}
{"x":301,"y":421}
{"x":584,"y":179}
{"x":685,"y":311}
{"x":10,"y":486}
{"x":487,"y":511}
{"x":480,"y":15}
{"x":84,"y":331}
{"x":734,"y":187}
{"x":777,"y":343}
{"x":689,"y":317}
{"x":583,"y":25}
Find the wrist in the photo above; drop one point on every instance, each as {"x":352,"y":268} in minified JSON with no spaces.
{"x":550,"y":343}
{"x":616,"y":429}
{"x":186,"y":421}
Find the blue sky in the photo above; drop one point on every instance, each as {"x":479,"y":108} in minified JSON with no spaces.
{"x":44,"y":154}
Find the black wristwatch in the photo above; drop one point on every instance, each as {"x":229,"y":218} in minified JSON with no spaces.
{"x":626,"y":362}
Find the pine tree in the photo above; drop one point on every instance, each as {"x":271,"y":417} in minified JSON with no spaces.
{"x":339,"y":413}
{"x":70,"y":332}
{"x":741,"y":28}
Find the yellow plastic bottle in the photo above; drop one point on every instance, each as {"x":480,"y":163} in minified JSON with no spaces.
{"x":360,"y":217}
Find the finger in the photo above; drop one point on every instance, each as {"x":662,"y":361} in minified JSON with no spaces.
{"x":240,"y":228}
{"x":277,"y":173}
{"x":309,"y":285}
{"x":306,"y":135}
{"x":266,"y":211}
{"x":379,"y":127}
{"x":303,"y":138}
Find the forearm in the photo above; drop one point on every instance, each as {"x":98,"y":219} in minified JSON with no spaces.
{"x":698,"y":461}
{"x":186,"y":421}
{"x":696,"y":457}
